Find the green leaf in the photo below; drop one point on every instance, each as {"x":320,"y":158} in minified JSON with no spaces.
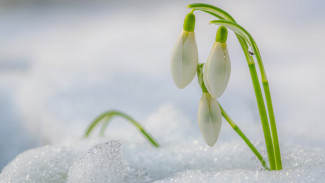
{"x":215,"y":11}
{"x":112,"y":113}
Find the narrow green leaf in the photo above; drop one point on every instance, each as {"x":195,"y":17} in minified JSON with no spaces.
{"x":112,"y":113}
{"x":215,"y":11}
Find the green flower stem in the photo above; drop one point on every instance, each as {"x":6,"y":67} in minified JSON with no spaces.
{"x":269,"y":104}
{"x":273,"y":126}
{"x":265,"y":83}
{"x":200,"y":77}
{"x":273,"y":160}
{"x":242,"y":135}
{"x":240,"y":30}
{"x":110,"y":114}
{"x":263,"y":115}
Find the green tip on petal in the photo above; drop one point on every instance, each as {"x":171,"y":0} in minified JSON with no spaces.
{"x":189,"y":22}
{"x":222,"y":34}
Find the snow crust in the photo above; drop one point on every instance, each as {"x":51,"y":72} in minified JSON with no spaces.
{"x":178,"y":162}
{"x":183,"y":157}
{"x":301,"y":165}
{"x":43,"y":164}
{"x":104,"y":163}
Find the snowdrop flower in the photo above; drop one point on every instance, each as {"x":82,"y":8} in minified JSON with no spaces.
{"x":184,"y":57}
{"x":209,"y":117}
{"x":217,"y":69}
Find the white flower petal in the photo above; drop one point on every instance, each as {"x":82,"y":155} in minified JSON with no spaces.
{"x":217,"y":70}
{"x":210,"y":119}
{"x":184,"y":59}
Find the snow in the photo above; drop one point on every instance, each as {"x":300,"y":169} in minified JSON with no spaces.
{"x":177,"y":162}
{"x":43,"y":164}
{"x":183,"y":157}
{"x":88,"y":59}
{"x":102,"y":163}
{"x":300,"y":165}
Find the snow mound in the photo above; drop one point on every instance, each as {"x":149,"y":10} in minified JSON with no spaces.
{"x":102,"y":163}
{"x":183,"y":161}
{"x":43,"y":164}
{"x":301,"y":164}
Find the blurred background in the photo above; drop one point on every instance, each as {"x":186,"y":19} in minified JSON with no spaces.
{"x":62,"y":63}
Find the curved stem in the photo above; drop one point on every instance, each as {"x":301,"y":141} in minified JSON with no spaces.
{"x":270,"y":108}
{"x":242,"y":135}
{"x":238,"y":29}
{"x":94,"y":123}
{"x":104,"y":126}
{"x":273,"y":156}
{"x":267,"y":92}
{"x":111,"y":114}
{"x":263,"y":115}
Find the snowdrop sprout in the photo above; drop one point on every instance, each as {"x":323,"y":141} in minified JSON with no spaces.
{"x":209,"y":118}
{"x":107,"y":116}
{"x":217,"y":69}
{"x":209,"y":113}
{"x":214,"y":80}
{"x":227,"y":118}
{"x":184,"y":58}
{"x":272,"y":142}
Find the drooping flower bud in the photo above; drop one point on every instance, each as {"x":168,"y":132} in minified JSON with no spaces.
{"x":184,"y":57}
{"x":217,"y":68}
{"x":210,"y":119}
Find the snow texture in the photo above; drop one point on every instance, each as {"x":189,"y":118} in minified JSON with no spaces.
{"x":182,"y":157}
{"x":183,"y":161}
{"x":301,"y":165}
{"x":44,"y":164}
{"x":103,"y":163}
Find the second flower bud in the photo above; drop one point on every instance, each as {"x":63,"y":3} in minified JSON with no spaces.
{"x":217,"y":68}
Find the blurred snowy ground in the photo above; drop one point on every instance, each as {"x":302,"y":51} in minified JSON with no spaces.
{"x":61,"y":64}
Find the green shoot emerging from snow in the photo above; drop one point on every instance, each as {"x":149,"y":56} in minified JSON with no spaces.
{"x":214,"y":76}
{"x":106,"y":117}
